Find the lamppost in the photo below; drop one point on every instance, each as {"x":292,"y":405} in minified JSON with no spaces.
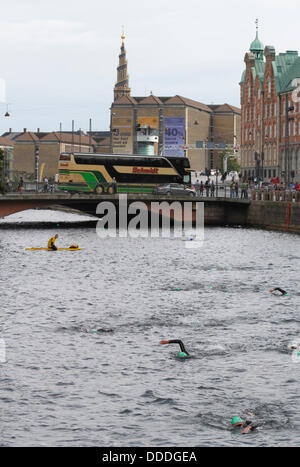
{"x":36,"y":164}
{"x":257,"y":160}
{"x":5,"y":162}
{"x":287,"y":164}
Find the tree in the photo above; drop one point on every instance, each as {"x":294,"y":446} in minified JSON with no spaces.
{"x":232,"y":162}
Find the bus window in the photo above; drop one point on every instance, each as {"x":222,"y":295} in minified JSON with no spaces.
{"x":65,"y":157}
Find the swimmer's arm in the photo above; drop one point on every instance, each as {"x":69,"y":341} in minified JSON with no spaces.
{"x":249,"y":426}
{"x":181,"y":344}
{"x":281,"y":290}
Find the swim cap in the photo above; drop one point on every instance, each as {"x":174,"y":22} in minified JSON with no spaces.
{"x":181,"y":355}
{"x":236,"y":420}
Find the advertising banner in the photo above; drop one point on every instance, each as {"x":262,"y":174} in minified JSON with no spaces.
{"x":146,"y":122}
{"x":122,"y":140}
{"x":174,"y":139}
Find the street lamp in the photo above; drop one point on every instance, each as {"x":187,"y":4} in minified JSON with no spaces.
{"x":287,"y":142}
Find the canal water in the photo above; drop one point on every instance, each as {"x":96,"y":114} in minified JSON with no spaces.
{"x":83,"y":365}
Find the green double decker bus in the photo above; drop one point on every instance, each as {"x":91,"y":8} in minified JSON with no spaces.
{"x":122,"y":173}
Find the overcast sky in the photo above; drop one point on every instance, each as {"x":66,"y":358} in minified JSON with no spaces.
{"x":59,"y":58}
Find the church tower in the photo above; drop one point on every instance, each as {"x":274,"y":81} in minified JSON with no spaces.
{"x":257,"y":47}
{"x":121,"y":87}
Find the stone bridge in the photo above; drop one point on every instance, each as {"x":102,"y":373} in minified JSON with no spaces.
{"x":266,"y":213}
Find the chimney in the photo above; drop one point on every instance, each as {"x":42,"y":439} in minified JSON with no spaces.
{"x":10,"y":130}
{"x":25,"y":130}
{"x":38,"y":130}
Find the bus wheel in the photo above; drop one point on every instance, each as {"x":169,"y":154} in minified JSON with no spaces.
{"x":111,"y":190}
{"x":99,"y":189}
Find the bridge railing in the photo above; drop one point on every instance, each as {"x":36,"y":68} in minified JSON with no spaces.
{"x":32,"y":187}
{"x":276,"y":195}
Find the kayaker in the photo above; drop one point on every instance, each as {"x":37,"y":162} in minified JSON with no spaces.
{"x":51,"y":243}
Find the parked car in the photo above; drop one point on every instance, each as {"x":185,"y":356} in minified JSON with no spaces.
{"x":174,"y":189}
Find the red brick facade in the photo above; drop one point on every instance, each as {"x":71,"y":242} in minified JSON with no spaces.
{"x":264,"y":86}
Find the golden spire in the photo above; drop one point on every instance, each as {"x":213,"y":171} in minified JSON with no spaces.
{"x":123,"y":35}
{"x":122,"y":85}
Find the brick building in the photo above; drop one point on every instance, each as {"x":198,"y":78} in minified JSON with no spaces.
{"x":48,"y":147}
{"x":270,"y":120}
{"x":171,"y":126}
{"x":7,"y":146}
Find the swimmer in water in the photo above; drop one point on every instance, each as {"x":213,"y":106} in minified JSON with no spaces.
{"x":245,"y":425}
{"x":183,"y":352}
{"x":278,"y":289}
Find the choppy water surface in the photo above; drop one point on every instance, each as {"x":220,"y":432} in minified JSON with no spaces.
{"x":82,"y":330}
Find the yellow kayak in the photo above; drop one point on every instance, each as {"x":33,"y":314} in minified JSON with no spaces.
{"x":58,"y":249}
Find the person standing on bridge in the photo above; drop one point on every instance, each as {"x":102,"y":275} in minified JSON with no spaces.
{"x":236,"y":189}
{"x":46,"y":185}
{"x":244,"y":186}
{"x":21,"y":184}
{"x":51,"y":243}
{"x":207,"y":186}
{"x":201,"y":189}
{"x":232,"y":189}
{"x":212,"y":188}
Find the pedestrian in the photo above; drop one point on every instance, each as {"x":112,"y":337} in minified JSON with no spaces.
{"x":244,"y":193}
{"x":232,"y":189}
{"x":207,"y":186}
{"x":21,"y":184}
{"x":46,"y":185}
{"x":197,"y":187}
{"x":212,"y":188}
{"x":236,"y":188}
{"x":201,"y":189}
